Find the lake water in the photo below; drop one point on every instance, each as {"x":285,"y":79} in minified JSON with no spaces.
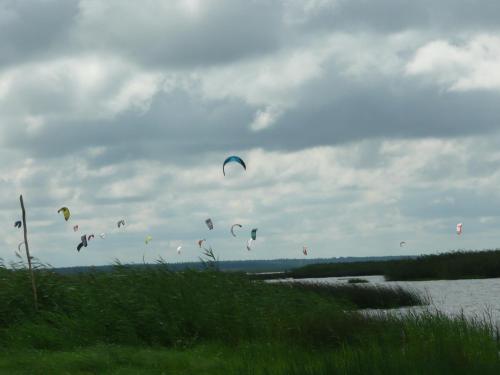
{"x":477,"y":298}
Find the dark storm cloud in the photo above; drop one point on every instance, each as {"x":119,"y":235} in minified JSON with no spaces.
{"x":219,"y":32}
{"x":388,"y":16}
{"x":34,"y":29}
{"x":176,"y":128}
{"x":374,"y":112}
{"x":166,"y":35}
{"x":180,"y":127}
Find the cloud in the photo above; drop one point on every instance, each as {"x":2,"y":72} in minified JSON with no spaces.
{"x":264,"y":119}
{"x":474,"y":65}
{"x":180,"y":33}
{"x":361,"y":124}
{"x":86,"y":87}
{"x":31,"y":30}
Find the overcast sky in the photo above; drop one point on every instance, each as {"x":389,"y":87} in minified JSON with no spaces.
{"x":363,"y":123}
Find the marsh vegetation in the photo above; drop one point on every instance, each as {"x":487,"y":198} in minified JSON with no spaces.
{"x":152,"y":320}
{"x":451,"y":265}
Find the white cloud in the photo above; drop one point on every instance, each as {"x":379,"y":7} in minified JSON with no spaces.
{"x":270,"y":81}
{"x":264,"y":118}
{"x":474,"y":65}
{"x":89,"y":87}
{"x":310,"y":197}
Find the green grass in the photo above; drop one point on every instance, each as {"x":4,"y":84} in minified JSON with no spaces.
{"x":415,"y":345}
{"x":112,"y":359}
{"x":152,"y":307}
{"x":451,"y":265}
{"x":153,"y":321}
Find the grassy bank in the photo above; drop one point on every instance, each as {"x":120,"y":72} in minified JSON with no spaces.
{"x":151,"y":321}
{"x":157,"y":307}
{"x":452,"y":265}
{"x":424,"y":345}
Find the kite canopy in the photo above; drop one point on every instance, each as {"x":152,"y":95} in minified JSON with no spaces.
{"x":75,"y":228}
{"x":18,"y":224}
{"x":232,"y":228}
{"x":120,"y":223}
{"x":83,"y":243}
{"x":209,"y":223}
{"x":304,"y":250}
{"x":200,"y":242}
{"x":233,"y":159}
{"x":91,"y":237}
{"x":254,"y":234}
{"x":19,"y":246}
{"x":459,"y":228}
{"x":402,"y":243}
{"x":102,"y":235}
{"x":65,"y":212}
{"x":249,"y":244}
{"x":179,"y":250}
{"x":148,"y":239}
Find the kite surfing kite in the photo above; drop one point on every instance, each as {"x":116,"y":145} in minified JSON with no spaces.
{"x":179,"y":250}
{"x":200,"y":242}
{"x":120,"y":223}
{"x":91,"y":237}
{"x":83,"y":243}
{"x":232,"y":228}
{"x":254,"y":234}
{"x":304,"y":250}
{"x":148,"y":239}
{"x":459,"y":228}
{"x":402,"y":243}
{"x":75,"y":228}
{"x":209,"y":223}
{"x":19,"y":246}
{"x":65,"y":212}
{"x":102,"y":235}
{"x":249,"y":244}
{"x":18,"y":224}
{"x":231,"y":159}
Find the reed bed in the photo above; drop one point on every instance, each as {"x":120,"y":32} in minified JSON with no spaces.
{"x":153,"y":321}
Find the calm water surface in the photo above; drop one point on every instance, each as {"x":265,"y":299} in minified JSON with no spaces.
{"x":475,"y":298}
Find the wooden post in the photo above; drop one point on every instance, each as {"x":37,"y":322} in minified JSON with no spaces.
{"x":26,"y":246}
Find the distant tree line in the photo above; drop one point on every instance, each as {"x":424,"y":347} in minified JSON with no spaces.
{"x":451,"y":265}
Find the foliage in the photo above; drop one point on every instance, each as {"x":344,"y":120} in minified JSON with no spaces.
{"x":150,"y":320}
{"x":451,"y":265}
